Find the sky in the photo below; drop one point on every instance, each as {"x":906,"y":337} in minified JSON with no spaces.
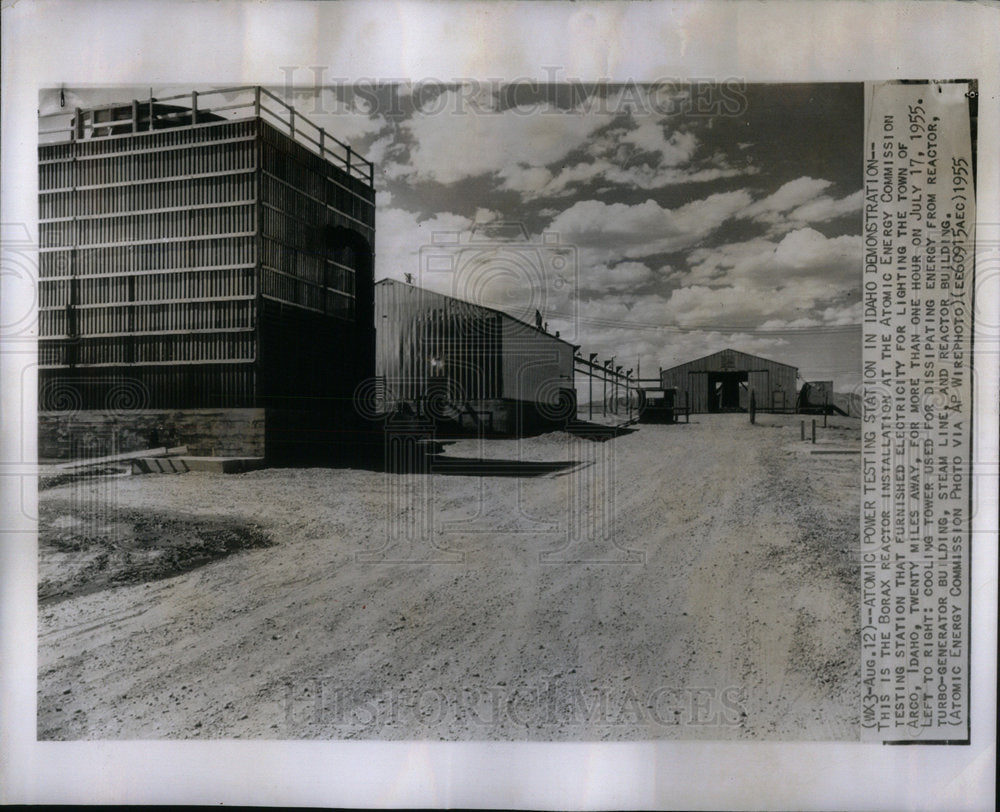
{"x":653,"y":223}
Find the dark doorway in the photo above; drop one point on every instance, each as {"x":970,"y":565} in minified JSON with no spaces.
{"x":724,"y":391}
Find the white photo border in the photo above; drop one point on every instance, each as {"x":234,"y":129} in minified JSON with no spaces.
{"x":103,"y":42}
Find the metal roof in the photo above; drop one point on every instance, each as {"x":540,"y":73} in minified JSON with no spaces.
{"x":487,"y":308}
{"x":696,"y":361}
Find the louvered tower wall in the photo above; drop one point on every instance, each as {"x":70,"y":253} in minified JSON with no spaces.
{"x":205,"y":281}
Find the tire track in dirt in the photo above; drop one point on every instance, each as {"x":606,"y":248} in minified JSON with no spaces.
{"x":742,"y":584}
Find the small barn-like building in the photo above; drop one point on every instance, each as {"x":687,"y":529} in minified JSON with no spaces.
{"x":723,"y":381}
{"x":467,"y":364}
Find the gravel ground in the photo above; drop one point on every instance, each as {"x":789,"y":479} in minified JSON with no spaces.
{"x":689,"y":581}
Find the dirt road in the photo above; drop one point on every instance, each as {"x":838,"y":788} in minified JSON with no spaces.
{"x":689,"y":581}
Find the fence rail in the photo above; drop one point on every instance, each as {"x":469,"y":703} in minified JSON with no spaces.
{"x":203,"y":110}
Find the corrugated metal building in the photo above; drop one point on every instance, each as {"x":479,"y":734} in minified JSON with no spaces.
{"x":468,"y":364}
{"x":205,"y":277}
{"x":723,"y":381}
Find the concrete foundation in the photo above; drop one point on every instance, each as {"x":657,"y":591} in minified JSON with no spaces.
{"x":180,"y":465}
{"x":279,"y":435}
{"x":206,"y":432}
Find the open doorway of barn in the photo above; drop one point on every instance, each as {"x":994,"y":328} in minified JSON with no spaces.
{"x":724,"y":391}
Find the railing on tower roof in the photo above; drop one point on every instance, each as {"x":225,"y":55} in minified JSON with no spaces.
{"x":250,"y":101}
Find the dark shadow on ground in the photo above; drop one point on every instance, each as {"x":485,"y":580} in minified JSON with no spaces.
{"x":596,"y":431}
{"x":85,"y":548}
{"x":471,"y":466}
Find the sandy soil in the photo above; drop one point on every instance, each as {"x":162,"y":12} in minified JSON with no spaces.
{"x":688,"y":581}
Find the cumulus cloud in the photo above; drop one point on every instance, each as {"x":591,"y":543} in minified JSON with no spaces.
{"x":800,"y":279}
{"x":639,"y":176}
{"x":807,"y":250}
{"x":401,"y":236}
{"x":825,"y":208}
{"x":541,"y":150}
{"x":800,"y":202}
{"x":623,"y":276}
{"x":804,"y":279}
{"x":766,"y":262}
{"x":451,"y":140}
{"x":615,"y":231}
{"x":482,"y":259}
{"x":649,"y":137}
{"x":528,"y":180}
{"x":640,"y":152}
{"x":833,"y":316}
{"x":739,"y":306}
{"x":614,"y":293}
{"x":790,"y":196}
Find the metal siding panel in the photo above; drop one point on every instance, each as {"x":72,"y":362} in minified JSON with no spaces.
{"x":150,"y":242}
{"x":688,"y":377}
{"x":759,"y":382}
{"x":675,"y":379}
{"x":699,"y":392}
{"x":490,"y":354}
{"x":777,"y":387}
{"x":416,"y":324}
{"x":536,"y":365}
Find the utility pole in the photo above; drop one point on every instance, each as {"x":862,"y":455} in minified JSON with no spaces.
{"x":618,"y":375}
{"x":628,"y":396}
{"x":590,"y":378}
{"x":607,"y":368}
